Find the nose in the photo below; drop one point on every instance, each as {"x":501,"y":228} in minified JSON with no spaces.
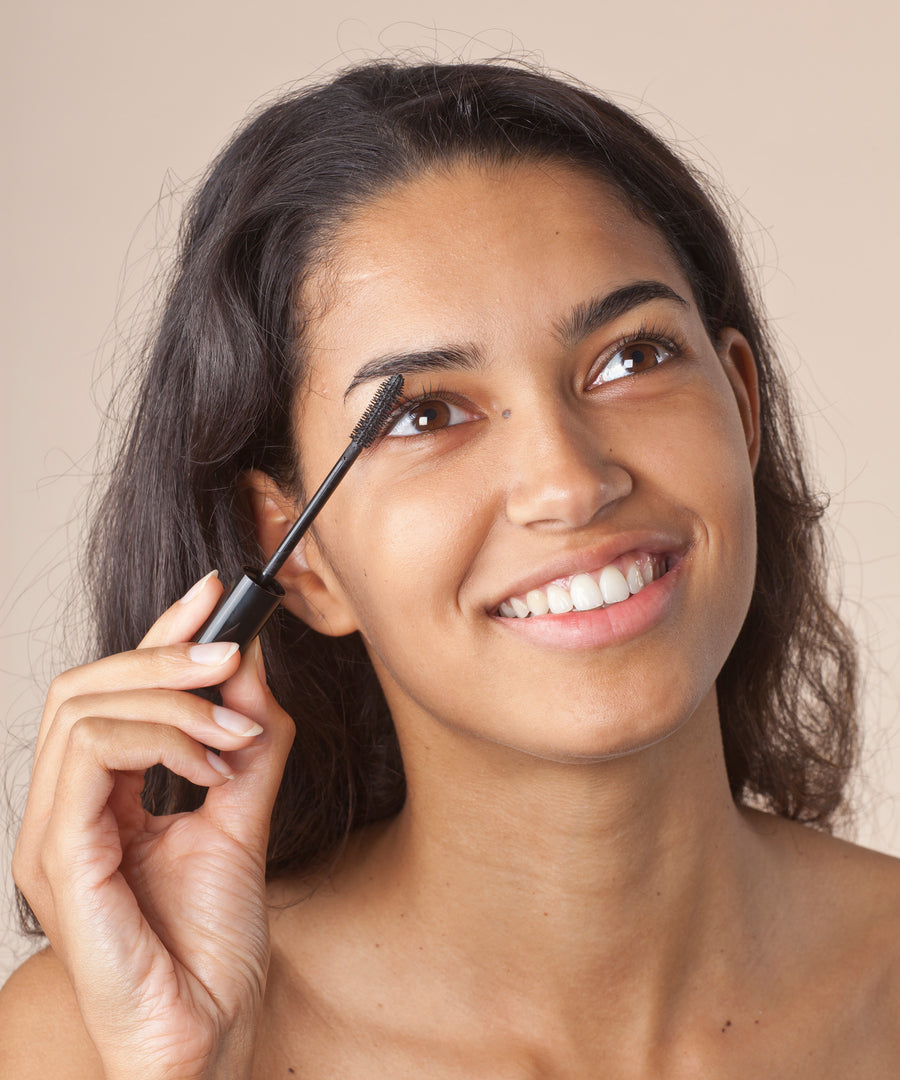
{"x":562,"y":473}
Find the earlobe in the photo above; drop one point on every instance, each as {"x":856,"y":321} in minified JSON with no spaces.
{"x":312,"y":592}
{"x":740,"y":367}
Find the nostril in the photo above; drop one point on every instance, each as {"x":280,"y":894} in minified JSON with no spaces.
{"x":571,"y":493}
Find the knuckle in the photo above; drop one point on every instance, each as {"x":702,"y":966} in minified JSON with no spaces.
{"x":20,"y":868}
{"x":26,"y":867}
{"x":281,"y":716}
{"x":191,"y":712}
{"x":67,"y":712}
{"x":58,"y":691}
{"x":85,"y":732}
{"x":164,"y":662}
{"x":53,"y":862}
{"x":156,"y":660}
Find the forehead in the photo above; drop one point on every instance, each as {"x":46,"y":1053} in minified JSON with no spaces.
{"x":473,"y":254}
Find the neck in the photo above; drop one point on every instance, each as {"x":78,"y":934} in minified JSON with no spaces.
{"x":629,"y":875}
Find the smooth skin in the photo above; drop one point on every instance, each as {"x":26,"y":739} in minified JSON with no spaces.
{"x":160,"y":923}
{"x":569,"y":890}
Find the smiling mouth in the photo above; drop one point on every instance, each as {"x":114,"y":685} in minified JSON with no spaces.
{"x":612,"y":584}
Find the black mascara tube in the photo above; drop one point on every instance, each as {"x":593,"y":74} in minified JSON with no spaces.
{"x":254,"y":596}
{"x":244,"y":610}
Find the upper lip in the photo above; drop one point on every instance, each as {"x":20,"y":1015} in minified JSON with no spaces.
{"x":588,"y":560}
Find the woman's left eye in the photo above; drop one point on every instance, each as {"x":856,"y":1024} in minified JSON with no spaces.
{"x":634,"y":358}
{"x":423,"y":417}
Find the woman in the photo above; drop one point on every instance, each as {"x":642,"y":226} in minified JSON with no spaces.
{"x":547,"y":645}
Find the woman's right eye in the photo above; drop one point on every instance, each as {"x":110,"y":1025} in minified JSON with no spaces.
{"x":426,"y":416}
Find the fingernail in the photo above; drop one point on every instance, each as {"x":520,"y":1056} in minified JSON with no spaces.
{"x":194,"y":589}
{"x":234,"y":722}
{"x":257,"y":656}
{"x":219,"y":765}
{"x":212,"y":653}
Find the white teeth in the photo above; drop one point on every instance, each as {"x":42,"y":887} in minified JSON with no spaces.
{"x":585,"y":593}
{"x":559,"y":600}
{"x":520,"y":608}
{"x":635,"y":578}
{"x":537,"y":602}
{"x":613,"y":585}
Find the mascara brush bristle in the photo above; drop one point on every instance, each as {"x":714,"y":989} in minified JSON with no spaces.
{"x":372,"y":421}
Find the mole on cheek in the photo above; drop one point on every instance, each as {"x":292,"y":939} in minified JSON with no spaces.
{"x":506,"y":414}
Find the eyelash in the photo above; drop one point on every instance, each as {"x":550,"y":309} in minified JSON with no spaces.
{"x":431,"y":392}
{"x":646,"y":333}
{"x":649,"y":333}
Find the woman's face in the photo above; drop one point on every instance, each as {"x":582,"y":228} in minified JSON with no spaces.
{"x":574,"y":434}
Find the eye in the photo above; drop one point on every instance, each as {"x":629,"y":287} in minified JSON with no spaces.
{"x":426,"y":416}
{"x":634,"y":358}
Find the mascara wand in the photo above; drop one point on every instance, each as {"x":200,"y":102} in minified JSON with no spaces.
{"x":253,"y":597}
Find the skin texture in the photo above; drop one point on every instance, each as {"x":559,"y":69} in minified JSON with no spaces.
{"x":570,"y":890}
{"x":166,"y":983}
{"x":571,"y":472}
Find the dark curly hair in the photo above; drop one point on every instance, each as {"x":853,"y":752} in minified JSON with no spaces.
{"x":222,"y":372}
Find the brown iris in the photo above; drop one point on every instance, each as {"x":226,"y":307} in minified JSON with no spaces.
{"x":429,"y":415}
{"x":639,"y":357}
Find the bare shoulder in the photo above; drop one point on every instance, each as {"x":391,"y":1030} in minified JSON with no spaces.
{"x":857,"y":889}
{"x":858,"y":879}
{"x":843,"y":925}
{"x":40,"y":1026}
{"x":862,"y":890}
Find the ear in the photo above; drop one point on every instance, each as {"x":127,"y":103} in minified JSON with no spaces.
{"x":312,"y":591}
{"x":739,"y":364}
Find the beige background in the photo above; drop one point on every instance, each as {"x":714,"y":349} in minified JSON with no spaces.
{"x":112,"y":110}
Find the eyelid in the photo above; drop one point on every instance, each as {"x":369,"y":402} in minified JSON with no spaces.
{"x":409,"y":401}
{"x":648,"y":333}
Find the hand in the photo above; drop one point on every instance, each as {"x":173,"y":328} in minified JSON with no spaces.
{"x":160,"y":922}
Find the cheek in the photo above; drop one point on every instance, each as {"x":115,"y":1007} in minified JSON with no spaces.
{"x":717,"y":470}
{"x":688,"y":455}
{"x":403,"y":548}
{"x":703,"y":442}
{"x":731,"y":476}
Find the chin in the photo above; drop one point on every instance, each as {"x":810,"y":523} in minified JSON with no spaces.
{"x":592,"y":736}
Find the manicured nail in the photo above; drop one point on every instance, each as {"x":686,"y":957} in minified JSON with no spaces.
{"x":195,"y":589}
{"x":219,"y":765}
{"x":234,"y":722}
{"x":212,"y":653}
{"x":255,"y":651}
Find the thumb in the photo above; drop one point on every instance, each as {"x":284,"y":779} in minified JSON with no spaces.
{"x":243,"y":807}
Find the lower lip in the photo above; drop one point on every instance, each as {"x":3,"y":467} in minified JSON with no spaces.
{"x":601,"y":626}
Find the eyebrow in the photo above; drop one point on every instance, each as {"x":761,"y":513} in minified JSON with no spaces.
{"x":443,"y":358}
{"x":595,"y":313}
{"x":580,"y":323}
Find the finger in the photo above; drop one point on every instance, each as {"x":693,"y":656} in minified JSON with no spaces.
{"x":183,"y":619}
{"x":213,"y":725}
{"x":178,"y":624}
{"x":244,"y":811}
{"x":172,"y":667}
{"x":98,"y":749}
{"x":80,"y":838}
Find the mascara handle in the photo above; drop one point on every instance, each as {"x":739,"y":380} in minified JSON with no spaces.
{"x":243,"y":610}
